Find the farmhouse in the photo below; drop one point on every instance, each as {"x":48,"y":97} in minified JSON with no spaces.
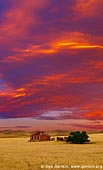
{"x":39,"y":136}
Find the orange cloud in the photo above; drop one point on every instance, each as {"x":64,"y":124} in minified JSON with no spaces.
{"x":78,"y":40}
{"x":18,"y":19}
{"x":94,"y":64}
{"x":6,"y":90}
{"x":15,"y":24}
{"x":88,"y":8}
{"x":20,"y":93}
{"x":94,"y":115}
{"x":80,"y":75}
{"x":68,"y":41}
{"x":31,"y":94}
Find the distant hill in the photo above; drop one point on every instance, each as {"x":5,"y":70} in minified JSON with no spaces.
{"x":59,"y":133}
{"x":13,"y":134}
{"x":21,"y":133}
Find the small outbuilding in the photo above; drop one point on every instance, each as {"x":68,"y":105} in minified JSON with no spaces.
{"x":39,"y":136}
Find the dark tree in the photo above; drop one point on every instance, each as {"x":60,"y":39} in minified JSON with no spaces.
{"x":77,"y":137}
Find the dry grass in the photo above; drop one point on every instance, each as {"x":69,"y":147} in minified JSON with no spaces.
{"x":19,"y":154}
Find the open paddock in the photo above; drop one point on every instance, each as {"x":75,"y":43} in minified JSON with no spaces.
{"x":19,"y":154}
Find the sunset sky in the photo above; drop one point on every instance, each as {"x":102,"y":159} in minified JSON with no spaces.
{"x":51,"y":64}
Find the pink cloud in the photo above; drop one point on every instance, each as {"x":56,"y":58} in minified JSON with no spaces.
{"x":89,"y":8}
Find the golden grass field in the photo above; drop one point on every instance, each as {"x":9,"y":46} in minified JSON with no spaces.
{"x":19,"y":154}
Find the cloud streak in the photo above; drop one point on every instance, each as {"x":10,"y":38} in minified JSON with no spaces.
{"x":51,"y":60}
